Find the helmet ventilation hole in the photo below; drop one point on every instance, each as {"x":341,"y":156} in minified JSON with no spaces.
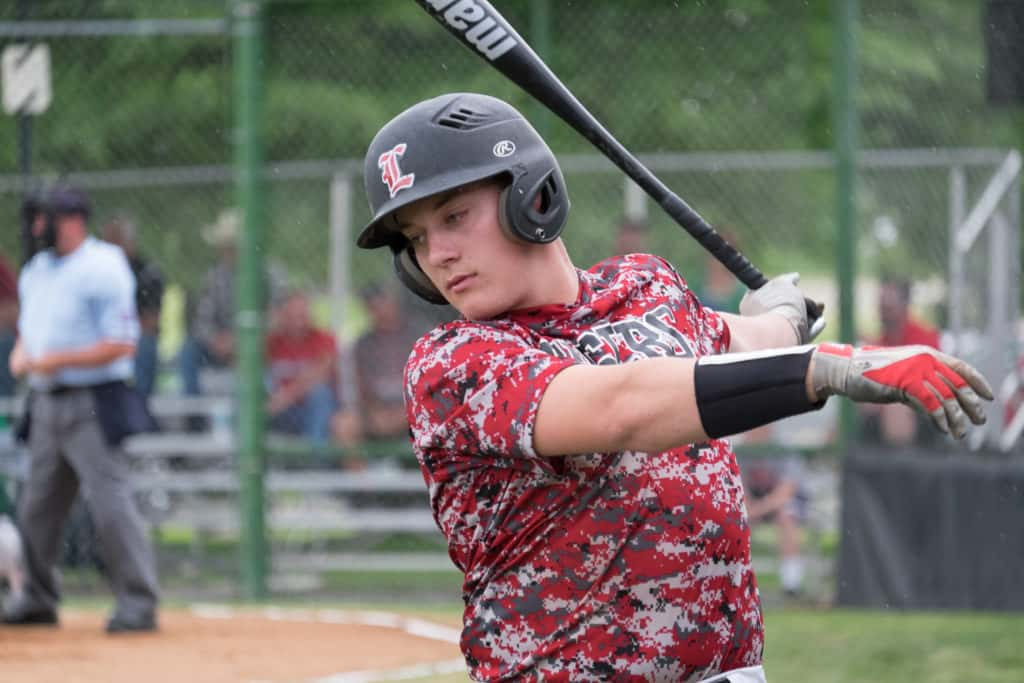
{"x":463,"y":118}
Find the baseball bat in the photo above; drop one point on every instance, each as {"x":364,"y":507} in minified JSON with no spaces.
{"x":486,"y":32}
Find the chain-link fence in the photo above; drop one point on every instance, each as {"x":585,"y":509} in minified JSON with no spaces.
{"x":729,"y":103}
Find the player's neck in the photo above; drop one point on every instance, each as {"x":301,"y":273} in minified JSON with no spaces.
{"x":563,"y":280}
{"x":553,"y":277}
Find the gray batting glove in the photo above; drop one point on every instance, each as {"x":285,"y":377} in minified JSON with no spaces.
{"x":780,"y":295}
{"x":943,"y":387}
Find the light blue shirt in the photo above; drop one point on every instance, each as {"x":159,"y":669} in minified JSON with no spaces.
{"x":74,"y":302}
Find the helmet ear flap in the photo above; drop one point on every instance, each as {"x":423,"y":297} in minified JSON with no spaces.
{"x":505,"y":216}
{"x":412,"y":276}
{"x":535,"y":215}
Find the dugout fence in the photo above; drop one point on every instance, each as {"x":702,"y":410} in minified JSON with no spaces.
{"x":950,"y":212}
{"x":144,"y":116}
{"x":921,"y":202}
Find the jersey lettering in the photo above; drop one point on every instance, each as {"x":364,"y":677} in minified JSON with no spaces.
{"x":651,"y":336}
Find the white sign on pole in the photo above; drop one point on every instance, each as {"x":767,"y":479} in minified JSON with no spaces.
{"x":25,"y":71}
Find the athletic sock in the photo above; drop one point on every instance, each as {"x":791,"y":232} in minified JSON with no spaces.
{"x":791,"y":573}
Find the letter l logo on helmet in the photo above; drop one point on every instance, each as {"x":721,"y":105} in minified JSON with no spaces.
{"x":391,"y":174}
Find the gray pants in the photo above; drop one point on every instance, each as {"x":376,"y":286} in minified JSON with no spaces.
{"x":67,"y":451}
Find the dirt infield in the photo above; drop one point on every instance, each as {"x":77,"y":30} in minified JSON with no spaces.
{"x":223,"y":645}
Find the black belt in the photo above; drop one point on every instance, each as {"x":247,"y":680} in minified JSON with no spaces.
{"x":58,"y":389}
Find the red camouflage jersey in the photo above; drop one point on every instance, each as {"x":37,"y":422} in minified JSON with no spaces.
{"x":607,"y":566}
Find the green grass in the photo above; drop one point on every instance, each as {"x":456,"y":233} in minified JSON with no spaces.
{"x":838,"y":646}
{"x":843,"y":646}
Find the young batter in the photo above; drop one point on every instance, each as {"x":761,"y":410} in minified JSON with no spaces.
{"x":569,"y":426}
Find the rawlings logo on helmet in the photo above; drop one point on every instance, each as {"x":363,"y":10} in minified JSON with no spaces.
{"x":391,"y":174}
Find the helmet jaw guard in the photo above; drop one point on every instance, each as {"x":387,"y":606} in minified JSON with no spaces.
{"x":450,"y":141}
{"x":408,"y":270}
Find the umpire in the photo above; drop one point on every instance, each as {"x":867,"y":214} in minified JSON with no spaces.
{"x":77,"y":333}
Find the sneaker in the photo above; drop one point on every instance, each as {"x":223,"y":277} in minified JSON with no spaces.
{"x":122,"y":624}
{"x":23,"y":616}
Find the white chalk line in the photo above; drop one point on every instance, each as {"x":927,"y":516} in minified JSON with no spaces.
{"x":411,"y":625}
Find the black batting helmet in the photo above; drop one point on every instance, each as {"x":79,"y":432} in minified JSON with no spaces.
{"x":450,"y":141}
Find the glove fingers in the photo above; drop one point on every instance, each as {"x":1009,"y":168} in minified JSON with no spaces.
{"x":969,"y":374}
{"x":937,"y":415}
{"x":968,"y":400}
{"x":948,"y":416}
{"x":955,"y":418}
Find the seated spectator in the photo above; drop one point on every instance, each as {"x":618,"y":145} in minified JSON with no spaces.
{"x":8,"y":323}
{"x":773,"y":491}
{"x":380,"y":355}
{"x":149,"y":292}
{"x":211,"y":335}
{"x":211,"y":338}
{"x":302,"y":366}
{"x":895,"y":424}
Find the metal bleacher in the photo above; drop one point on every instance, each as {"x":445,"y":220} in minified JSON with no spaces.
{"x":189,"y":481}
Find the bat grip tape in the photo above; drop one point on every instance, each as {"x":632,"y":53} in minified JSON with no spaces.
{"x":737,"y":392}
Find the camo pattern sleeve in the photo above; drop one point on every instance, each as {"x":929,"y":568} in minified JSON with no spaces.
{"x":475,"y":388}
{"x":604,"y":566}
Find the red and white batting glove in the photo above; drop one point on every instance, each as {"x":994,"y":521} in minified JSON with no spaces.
{"x":946,"y":388}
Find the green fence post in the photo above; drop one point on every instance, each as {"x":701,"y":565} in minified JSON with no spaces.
{"x":846,"y":124}
{"x":247,"y":31}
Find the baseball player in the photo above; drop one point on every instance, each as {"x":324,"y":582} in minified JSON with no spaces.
{"x":570,"y":426}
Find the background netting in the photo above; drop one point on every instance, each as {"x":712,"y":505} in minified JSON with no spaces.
{"x":729,"y":103}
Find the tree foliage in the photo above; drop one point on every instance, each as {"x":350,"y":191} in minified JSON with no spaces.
{"x":689,"y":75}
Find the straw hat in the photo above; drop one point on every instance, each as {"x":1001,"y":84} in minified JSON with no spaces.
{"x":224,"y":231}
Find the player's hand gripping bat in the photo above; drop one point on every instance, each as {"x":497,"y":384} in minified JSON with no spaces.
{"x":482,"y":29}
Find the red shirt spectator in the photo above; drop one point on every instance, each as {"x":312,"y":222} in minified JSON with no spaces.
{"x":911,"y":332}
{"x":290,"y":356}
{"x":894,"y":424}
{"x":302,"y":361}
{"x":898,"y":327}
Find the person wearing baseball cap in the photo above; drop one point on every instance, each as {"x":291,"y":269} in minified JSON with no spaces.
{"x":66,"y":200}
{"x":571,"y":426}
{"x":78,"y":329}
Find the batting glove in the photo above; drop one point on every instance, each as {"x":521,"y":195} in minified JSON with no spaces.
{"x":780,"y":295}
{"x":945,"y":388}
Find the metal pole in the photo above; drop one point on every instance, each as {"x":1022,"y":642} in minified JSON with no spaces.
{"x":1000,"y":318}
{"x":24,"y":127}
{"x":247,"y":30}
{"x":846,"y":123}
{"x":341,"y":279}
{"x":957,"y":209}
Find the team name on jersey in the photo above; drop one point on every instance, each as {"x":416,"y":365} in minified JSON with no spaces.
{"x":481,"y":31}
{"x":651,"y":336}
